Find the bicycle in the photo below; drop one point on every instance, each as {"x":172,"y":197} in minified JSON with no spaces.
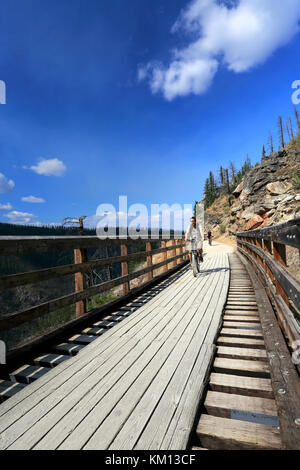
{"x":195,"y":257}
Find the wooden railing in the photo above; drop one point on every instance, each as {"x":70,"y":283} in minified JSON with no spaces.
{"x":266,"y":249}
{"x":81,"y":266}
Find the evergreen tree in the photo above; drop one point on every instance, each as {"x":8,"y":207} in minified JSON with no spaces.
{"x":207,"y":194}
{"x":195,"y":208}
{"x":263,"y":151}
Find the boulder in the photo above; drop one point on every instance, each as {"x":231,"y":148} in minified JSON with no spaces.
{"x":287,"y":199}
{"x":260,"y":209}
{"x":254,"y":222}
{"x":278,"y":187}
{"x":268,"y":205}
{"x":238,"y":189}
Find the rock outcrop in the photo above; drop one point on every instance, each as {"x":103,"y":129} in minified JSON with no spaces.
{"x":267,"y":195}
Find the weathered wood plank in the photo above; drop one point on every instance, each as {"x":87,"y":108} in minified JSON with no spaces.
{"x":109,"y":341}
{"x":251,"y":409}
{"x":241,"y":342}
{"x":171,"y":400}
{"x":242,"y":367}
{"x":96,"y":366}
{"x":285,"y":380}
{"x":228,"y":434}
{"x":242,"y":318}
{"x":242,"y":353}
{"x":237,"y":384}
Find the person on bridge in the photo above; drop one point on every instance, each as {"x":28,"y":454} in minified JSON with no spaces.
{"x":209,"y":236}
{"x":195,"y":231}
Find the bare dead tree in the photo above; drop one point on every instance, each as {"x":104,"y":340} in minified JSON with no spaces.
{"x":227,"y":181}
{"x":288,"y":132}
{"x":232,"y":169}
{"x":291,"y":128}
{"x":281,"y":133}
{"x":75,"y":222}
{"x":297,"y":115}
{"x":271,"y":143}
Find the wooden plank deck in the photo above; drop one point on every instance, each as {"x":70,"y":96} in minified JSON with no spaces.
{"x":136,"y":387}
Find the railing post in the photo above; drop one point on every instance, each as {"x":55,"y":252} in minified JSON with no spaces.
{"x":174,"y":253}
{"x":124,"y":267}
{"x":181,"y":252}
{"x":267,"y":246}
{"x":279,"y":251}
{"x":149,"y":260}
{"x":80,"y":256}
{"x":165,"y":256}
{"x":177,"y":252}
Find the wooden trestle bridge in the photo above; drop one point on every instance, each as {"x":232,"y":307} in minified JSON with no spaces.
{"x":176,"y":363}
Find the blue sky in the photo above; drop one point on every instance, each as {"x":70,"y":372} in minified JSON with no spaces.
{"x":87,"y":120}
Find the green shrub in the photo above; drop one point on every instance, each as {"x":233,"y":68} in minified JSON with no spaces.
{"x":222,"y":228}
{"x":296,"y":180}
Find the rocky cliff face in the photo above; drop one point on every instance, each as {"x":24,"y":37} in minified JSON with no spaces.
{"x":269,"y":194}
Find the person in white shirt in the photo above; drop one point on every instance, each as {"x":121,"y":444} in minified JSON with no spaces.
{"x":194,"y":231}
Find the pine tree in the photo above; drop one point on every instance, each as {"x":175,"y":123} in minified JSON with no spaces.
{"x":246,"y":167}
{"x":263,"y":151}
{"x":195,"y":208}
{"x":207,"y":193}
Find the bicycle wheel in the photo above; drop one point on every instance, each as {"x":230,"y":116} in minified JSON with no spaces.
{"x":198,"y":263}
{"x":195,"y":264}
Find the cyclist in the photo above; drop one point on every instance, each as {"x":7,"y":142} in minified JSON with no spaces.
{"x":209,"y":236}
{"x":194,"y":231}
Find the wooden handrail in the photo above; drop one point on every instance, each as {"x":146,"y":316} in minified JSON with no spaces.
{"x":80,"y":266}
{"x":265,"y":249}
{"x":287,"y":233}
{"x":14,"y":280}
{"x":22,"y":245}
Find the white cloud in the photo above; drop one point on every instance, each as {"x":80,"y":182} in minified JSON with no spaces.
{"x":16,"y":217}
{"x":6,"y":186}
{"x":239,"y":34}
{"x":33,"y":199}
{"x":6,"y":207}
{"x":51,"y":167}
